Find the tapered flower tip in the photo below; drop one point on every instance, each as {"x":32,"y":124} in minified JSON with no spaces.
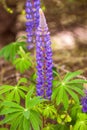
{"x":42,"y":23}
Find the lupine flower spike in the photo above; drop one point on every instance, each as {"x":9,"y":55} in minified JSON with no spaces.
{"x":84,"y":102}
{"x":44,"y":59}
{"x":32,"y":15}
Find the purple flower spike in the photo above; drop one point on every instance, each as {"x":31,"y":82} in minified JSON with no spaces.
{"x":44,"y":59}
{"x":84,"y":102}
{"x":32,"y":16}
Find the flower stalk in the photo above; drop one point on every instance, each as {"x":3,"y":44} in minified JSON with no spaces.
{"x":44,"y":59}
{"x":32,"y":16}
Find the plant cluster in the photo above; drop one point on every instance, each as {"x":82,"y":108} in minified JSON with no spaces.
{"x":46,"y":100}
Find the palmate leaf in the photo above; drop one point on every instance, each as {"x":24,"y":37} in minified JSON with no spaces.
{"x":14,"y":92}
{"x":19,"y":117}
{"x":9,"y":52}
{"x":68,"y":88}
{"x":23,"y":62}
{"x":61,"y":95}
{"x":11,"y":92}
{"x":15,"y":118}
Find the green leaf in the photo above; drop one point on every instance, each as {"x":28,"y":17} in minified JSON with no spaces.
{"x":22,"y":94}
{"x":34,"y":101}
{"x":10,"y":117}
{"x":56,"y":83}
{"x":24,"y":61}
{"x":14,"y":93}
{"x":13,"y":48}
{"x":15,"y":123}
{"x":26,"y":124}
{"x":9,"y":110}
{"x":10,"y":96}
{"x":72,"y":94}
{"x":81,"y":123}
{"x":77,"y":81}
{"x":60,"y":95}
{"x":33,"y":77}
{"x":71,"y":75}
{"x":24,"y":88}
{"x":57,"y":74}
{"x":55,"y":92}
{"x":65,"y":100}
{"x":21,"y":125}
{"x":35,"y":120}
{"x":28,"y":96}
{"x":50,"y":111}
{"x":5,"y":88}
{"x":26,"y":113}
{"x":17,"y":96}
{"x":75,"y":110}
{"x":22,"y":80}
{"x":76,"y":89}
{"x":12,"y":104}
{"x":22,"y":64}
{"x":19,"y":117}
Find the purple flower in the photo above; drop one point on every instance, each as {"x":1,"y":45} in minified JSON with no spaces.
{"x":44,"y":59}
{"x":84,"y":102}
{"x":32,"y":16}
